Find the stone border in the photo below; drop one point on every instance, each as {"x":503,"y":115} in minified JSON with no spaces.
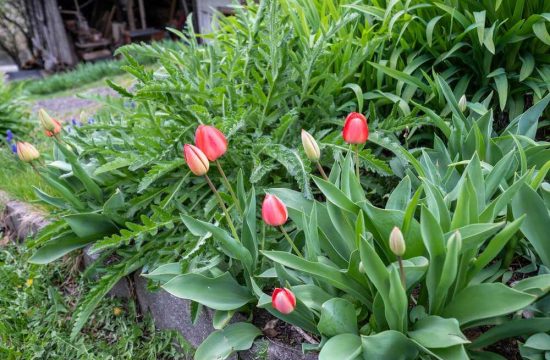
{"x":168,"y":312}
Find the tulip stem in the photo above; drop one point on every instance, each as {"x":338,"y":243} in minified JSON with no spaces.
{"x":320,"y":168}
{"x":357,"y":161}
{"x":290,"y":241}
{"x":229,"y":187}
{"x":222,"y":204}
{"x":402,"y":273}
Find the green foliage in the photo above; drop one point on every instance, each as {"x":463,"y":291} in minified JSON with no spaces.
{"x":13,"y":113}
{"x":35,"y":318}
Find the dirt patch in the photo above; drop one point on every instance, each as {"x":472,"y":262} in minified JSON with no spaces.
{"x":65,"y":108}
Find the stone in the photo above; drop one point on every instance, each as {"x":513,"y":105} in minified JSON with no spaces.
{"x":122,"y":288}
{"x":22,"y":220}
{"x":266,"y":349}
{"x":172,"y":313}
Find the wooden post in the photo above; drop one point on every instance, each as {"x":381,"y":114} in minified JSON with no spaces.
{"x":131,"y":18}
{"x":49,"y":36}
{"x":142,"y":14}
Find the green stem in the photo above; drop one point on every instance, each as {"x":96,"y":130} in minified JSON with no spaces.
{"x":402,"y":273}
{"x":290,"y":241}
{"x":320,"y":168}
{"x":222,"y":204}
{"x":229,"y":187}
{"x":357,"y":162}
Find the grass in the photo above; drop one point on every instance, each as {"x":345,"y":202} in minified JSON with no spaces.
{"x":36,"y":303}
{"x":17,"y":178}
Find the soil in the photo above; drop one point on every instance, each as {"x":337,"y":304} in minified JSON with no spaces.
{"x":506,"y":347}
{"x":278,"y":330}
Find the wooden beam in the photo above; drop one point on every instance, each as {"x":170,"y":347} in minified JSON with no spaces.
{"x":142,"y":14}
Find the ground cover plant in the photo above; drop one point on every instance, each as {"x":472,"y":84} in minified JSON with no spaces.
{"x":454,"y":157}
{"x":35,"y":321}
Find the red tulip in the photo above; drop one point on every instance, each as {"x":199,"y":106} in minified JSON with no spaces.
{"x":274,"y":211}
{"x":211,"y":141}
{"x":55,"y":131}
{"x":283,"y":300}
{"x":196,"y":160}
{"x":356,"y":130}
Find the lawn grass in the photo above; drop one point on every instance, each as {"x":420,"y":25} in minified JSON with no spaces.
{"x":18,"y":178}
{"x":36,"y":303}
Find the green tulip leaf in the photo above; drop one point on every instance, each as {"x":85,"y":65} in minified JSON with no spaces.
{"x":219,"y":293}
{"x":342,"y":347}
{"x":484,"y":301}
{"x":222,"y":343}
{"x":337,"y":317}
{"x":437,"y":332}
{"x":388,"y":344}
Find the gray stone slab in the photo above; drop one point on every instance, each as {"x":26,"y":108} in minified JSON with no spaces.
{"x":173,"y":313}
{"x":22,"y":220}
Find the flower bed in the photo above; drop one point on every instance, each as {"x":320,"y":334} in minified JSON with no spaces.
{"x":396,"y":192}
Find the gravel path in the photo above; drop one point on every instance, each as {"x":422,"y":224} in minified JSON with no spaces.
{"x":67,"y":107}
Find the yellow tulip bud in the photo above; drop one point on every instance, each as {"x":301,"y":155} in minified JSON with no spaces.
{"x":310,"y":146}
{"x":397,"y":242}
{"x":27,"y":152}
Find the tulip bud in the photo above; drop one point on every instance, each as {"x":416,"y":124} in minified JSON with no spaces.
{"x":196,"y":160}
{"x":462,"y":104}
{"x":274,"y":211}
{"x":356,"y":130}
{"x":283,"y":300}
{"x":211,"y":141}
{"x":27,"y":152}
{"x":397,"y":243}
{"x":310,"y":146}
{"x":51,"y":126}
{"x":361,"y":267}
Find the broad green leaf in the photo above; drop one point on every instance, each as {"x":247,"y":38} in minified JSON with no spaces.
{"x":527,"y":67}
{"x":219,"y":293}
{"x":337,"y":317}
{"x":222,"y":343}
{"x":388,"y":345}
{"x":537,"y":220}
{"x":539,"y":28}
{"x":400,"y":196}
{"x":342,"y":347}
{"x":479,"y":16}
{"x":538,"y":285}
{"x":165,"y":273}
{"x":57,"y":247}
{"x":510,"y":329}
{"x":437,"y":332}
{"x":484,"y":301}
{"x":90,"y":225}
{"x":311,"y":295}
{"x":335,"y":195}
{"x":527,"y":123}
{"x":323,"y":272}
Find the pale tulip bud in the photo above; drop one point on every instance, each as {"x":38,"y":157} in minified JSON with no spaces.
{"x":397,"y":242}
{"x":195,"y":159}
{"x":27,"y":152}
{"x":462,"y":104}
{"x":51,"y":126}
{"x":310,"y":146}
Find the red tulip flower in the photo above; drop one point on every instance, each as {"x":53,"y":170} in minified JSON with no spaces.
{"x":196,"y":160}
{"x":55,"y":131}
{"x":211,"y":141}
{"x":283,"y":300}
{"x":274,"y":211}
{"x":356,"y":130}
